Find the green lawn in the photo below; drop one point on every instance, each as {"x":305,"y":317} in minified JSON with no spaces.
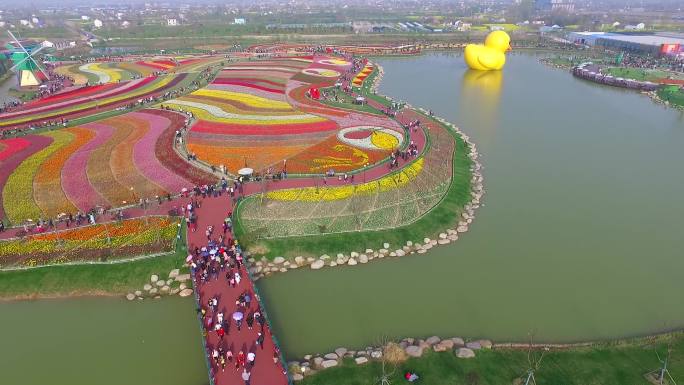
{"x":672,"y":94}
{"x":114,"y":279}
{"x":637,"y":73}
{"x":443,"y":216}
{"x":603,"y":365}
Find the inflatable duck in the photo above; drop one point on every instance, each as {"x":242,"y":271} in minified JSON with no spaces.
{"x":490,"y":56}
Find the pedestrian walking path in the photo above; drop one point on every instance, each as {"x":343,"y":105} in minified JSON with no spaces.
{"x":213,"y":282}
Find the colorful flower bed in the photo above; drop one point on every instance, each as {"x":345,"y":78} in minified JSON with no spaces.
{"x":317,"y":194}
{"x":110,"y":98}
{"x":256,"y":114}
{"x":98,"y":164}
{"x":100,"y":242}
{"x":389,"y":202}
{"x":362,"y":75}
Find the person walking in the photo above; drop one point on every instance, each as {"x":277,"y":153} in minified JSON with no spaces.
{"x":245,"y":376}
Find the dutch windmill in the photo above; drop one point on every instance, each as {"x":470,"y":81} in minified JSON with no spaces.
{"x":25,"y":64}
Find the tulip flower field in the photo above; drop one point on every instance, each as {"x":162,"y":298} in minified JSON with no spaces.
{"x":257,"y":114}
{"x":102,"y":164}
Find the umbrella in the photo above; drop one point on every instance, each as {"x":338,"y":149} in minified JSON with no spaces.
{"x":245,"y":171}
{"x":238,"y":315}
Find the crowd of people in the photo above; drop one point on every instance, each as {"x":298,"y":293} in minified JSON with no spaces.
{"x":235,"y":326}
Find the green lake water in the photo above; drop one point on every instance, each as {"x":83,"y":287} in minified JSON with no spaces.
{"x":101,"y":341}
{"x":581,"y":235}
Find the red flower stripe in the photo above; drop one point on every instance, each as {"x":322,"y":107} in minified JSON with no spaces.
{"x":275,"y":129}
{"x":13,"y":146}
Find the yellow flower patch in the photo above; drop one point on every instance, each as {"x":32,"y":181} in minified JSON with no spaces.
{"x":386,"y":183}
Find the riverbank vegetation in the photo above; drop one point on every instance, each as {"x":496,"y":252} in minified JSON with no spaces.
{"x":90,"y":279}
{"x":672,"y":94}
{"x":614,"y":363}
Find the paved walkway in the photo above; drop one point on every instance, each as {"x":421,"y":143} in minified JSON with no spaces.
{"x":267,"y":369}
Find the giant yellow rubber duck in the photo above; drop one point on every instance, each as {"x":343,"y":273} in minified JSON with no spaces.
{"x":492,"y":55}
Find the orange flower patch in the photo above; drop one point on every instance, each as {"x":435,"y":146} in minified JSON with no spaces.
{"x":331,"y":154}
{"x":114,"y":229}
{"x":257,"y":157}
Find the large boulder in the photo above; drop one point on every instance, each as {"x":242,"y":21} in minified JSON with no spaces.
{"x":341,"y":351}
{"x":317,"y":361}
{"x":147,"y":287}
{"x":414,"y":351}
{"x":174,"y":273}
{"x":458,"y":342}
{"x":485,"y":344}
{"x":352,"y":262}
{"x":432,"y":340}
{"x":443,"y":346}
{"x":183,"y":277}
{"x":474,"y":345}
{"x":278,"y":260}
{"x":297,"y":377}
{"x":154,"y":278}
{"x":317,"y":264}
{"x":130,"y":296}
{"x":185,"y":292}
{"x":328,"y":364}
{"x":360,"y":360}
{"x":465,"y":353}
{"x":331,"y":356}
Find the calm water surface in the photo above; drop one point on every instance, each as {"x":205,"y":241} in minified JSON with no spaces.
{"x":103,"y":341}
{"x":581,"y":235}
{"x":580,"y":238}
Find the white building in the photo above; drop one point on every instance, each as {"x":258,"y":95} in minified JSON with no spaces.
{"x":97,"y":23}
{"x":85,"y":17}
{"x":125,"y":24}
{"x":24,"y":22}
{"x":35,"y":20}
{"x":239,"y":20}
{"x":47,"y":44}
{"x":171,"y":22}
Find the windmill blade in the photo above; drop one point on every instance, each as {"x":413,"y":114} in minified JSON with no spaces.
{"x":27,"y":58}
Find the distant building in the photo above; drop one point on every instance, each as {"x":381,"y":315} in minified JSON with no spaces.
{"x":24,"y":22}
{"x":239,"y":20}
{"x":47,"y":44}
{"x":35,"y":20}
{"x":496,"y":28}
{"x":85,"y":17}
{"x":636,"y":27}
{"x":654,"y":44}
{"x":171,"y":22}
{"x":97,"y":23}
{"x":125,"y":24}
{"x":555,"y":5}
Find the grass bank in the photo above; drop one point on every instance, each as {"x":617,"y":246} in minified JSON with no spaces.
{"x":441,"y":217}
{"x":672,"y":94}
{"x":101,"y":279}
{"x":610,"y":364}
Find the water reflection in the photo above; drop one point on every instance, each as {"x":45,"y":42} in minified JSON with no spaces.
{"x":481,"y":91}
